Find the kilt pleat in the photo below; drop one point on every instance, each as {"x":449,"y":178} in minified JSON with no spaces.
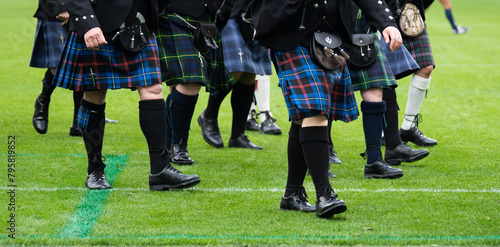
{"x":49,"y":42}
{"x":420,"y":49}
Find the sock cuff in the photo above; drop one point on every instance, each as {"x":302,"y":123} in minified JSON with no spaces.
{"x":154,"y":104}
{"x":420,"y":82}
{"x":182,"y":99}
{"x":92,"y":106}
{"x":314,"y":133}
{"x":372,"y":107}
{"x":294,"y":132}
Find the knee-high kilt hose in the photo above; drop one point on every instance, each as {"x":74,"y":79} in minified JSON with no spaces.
{"x":376,"y":75}
{"x":241,"y":56}
{"x":49,"y":44}
{"x":420,"y":49}
{"x":109,"y":67}
{"x":309,"y":91}
{"x":181,"y":63}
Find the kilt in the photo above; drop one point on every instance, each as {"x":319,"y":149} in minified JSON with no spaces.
{"x":420,"y":49}
{"x":241,"y":56}
{"x":376,"y":75}
{"x":49,"y":42}
{"x":310,"y":91}
{"x":180,"y":61}
{"x":110,"y":67}
{"x":401,"y":62}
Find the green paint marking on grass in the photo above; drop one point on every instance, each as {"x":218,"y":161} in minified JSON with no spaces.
{"x":90,"y":208}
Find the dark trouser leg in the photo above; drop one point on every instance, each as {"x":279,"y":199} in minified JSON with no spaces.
{"x":373,"y":121}
{"x":153,"y":125}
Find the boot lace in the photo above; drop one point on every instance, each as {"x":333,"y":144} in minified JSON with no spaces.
{"x":99,"y":173}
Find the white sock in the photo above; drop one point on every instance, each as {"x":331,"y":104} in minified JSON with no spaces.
{"x":416,"y":95}
{"x":262,"y":95}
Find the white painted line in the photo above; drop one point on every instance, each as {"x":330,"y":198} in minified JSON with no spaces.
{"x":250,"y":190}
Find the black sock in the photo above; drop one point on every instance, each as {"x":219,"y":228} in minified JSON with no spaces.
{"x":297,"y":167}
{"x":168,"y":114}
{"x":93,"y":118}
{"x":77,"y":100}
{"x":391,"y":131}
{"x":182,"y":110}
{"x":241,"y":101}
{"x":330,"y":140}
{"x":214,"y":102}
{"x":48,"y":88}
{"x":314,"y":141}
{"x":373,"y":122}
{"x":153,"y":121}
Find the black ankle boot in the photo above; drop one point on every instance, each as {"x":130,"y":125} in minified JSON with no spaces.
{"x":96,"y":180}
{"x":297,"y":201}
{"x":171,"y":178}
{"x":328,"y":205}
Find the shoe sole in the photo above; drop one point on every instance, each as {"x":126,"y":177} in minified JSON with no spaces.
{"x":182,"y":162}
{"x":396,"y":162}
{"x":206,"y":139}
{"x":273,"y":132}
{"x":420,"y":144}
{"x":332,"y":211}
{"x":185,"y":185}
{"x":391,"y":176}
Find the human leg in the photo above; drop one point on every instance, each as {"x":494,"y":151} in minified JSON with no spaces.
{"x":41,"y":115}
{"x":262,"y":94}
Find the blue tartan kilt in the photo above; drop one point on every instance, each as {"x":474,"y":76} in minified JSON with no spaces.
{"x":376,"y":75}
{"x":49,"y":42}
{"x":109,"y":67}
{"x":309,"y":91}
{"x":401,"y":62}
{"x":241,"y":56}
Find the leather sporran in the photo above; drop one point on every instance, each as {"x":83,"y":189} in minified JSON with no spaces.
{"x":411,"y":22}
{"x":204,"y":37}
{"x":325,"y":51}
{"x":133,"y":36}
{"x":362,"y":51}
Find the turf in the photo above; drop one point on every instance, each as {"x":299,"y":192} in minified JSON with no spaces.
{"x":450,"y":198}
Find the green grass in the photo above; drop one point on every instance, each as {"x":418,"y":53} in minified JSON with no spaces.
{"x":450,"y":198}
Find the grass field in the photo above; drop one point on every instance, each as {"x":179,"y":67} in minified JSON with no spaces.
{"x":450,"y":198}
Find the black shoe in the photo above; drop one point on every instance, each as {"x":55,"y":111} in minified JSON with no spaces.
{"x":328,"y":205}
{"x":96,"y":180}
{"x":74,"y":131}
{"x":380,"y":169}
{"x":179,"y":155}
{"x":334,"y":159}
{"x":242,"y":142}
{"x":171,"y":178}
{"x":41,"y":116}
{"x":269,"y":126}
{"x":297,"y":201}
{"x":403,"y":153}
{"x":416,"y":136}
{"x":252,"y":123}
{"x":210,"y":131}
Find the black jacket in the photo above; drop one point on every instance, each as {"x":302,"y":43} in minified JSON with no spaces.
{"x":277,"y":22}
{"x":109,"y":14}
{"x":421,"y":5}
{"x":49,"y":9}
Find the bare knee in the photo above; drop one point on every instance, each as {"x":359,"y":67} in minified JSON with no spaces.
{"x":151,"y":92}
{"x":188,"y":89}
{"x":425,"y":72}
{"x":95,"y":97}
{"x":372,"y":95}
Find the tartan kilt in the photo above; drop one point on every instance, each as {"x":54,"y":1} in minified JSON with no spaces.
{"x":241,"y":56}
{"x":109,"y":67}
{"x":49,"y":42}
{"x":376,"y":75}
{"x":401,"y":62}
{"x":420,"y":49}
{"x":180,"y":61}
{"x":309,"y":91}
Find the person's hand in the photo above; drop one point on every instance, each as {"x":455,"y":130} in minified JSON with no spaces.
{"x":94,"y":38}
{"x":64,"y":17}
{"x":392,"y":34}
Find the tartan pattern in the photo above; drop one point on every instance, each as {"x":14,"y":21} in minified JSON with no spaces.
{"x":49,"y":42}
{"x":376,"y":75}
{"x":254,"y":58}
{"x":110,"y":67}
{"x":180,"y":61}
{"x":310,"y":91}
{"x":420,"y":49}
{"x":400,"y":61}
{"x":82,"y":121}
